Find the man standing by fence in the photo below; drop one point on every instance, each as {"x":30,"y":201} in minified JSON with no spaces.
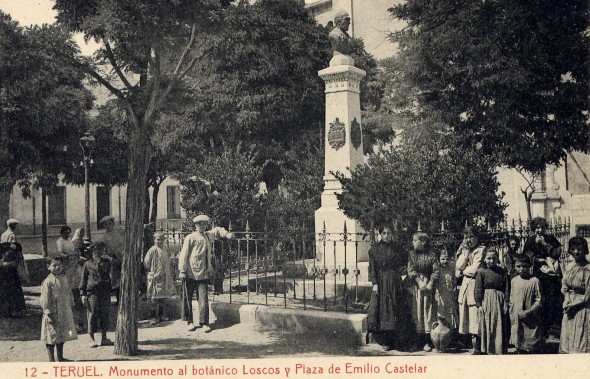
{"x":195,"y":266}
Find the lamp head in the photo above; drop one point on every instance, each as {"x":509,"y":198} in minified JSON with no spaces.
{"x":87,"y":142}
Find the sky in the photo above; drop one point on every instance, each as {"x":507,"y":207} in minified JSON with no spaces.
{"x":37,"y":12}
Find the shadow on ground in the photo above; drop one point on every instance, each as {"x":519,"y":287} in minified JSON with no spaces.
{"x":237,"y":344}
{"x":26,"y":328}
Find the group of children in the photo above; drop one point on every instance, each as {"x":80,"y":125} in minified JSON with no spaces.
{"x":57,"y":300}
{"x":492,"y":306}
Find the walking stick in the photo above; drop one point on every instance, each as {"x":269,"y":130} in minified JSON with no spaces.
{"x":187,"y":302}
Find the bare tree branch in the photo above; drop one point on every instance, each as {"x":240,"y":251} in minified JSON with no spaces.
{"x":116,"y":67}
{"x":155,"y":69}
{"x":177,"y":75}
{"x":187,"y":49}
{"x":90,"y":71}
{"x":176,"y":79}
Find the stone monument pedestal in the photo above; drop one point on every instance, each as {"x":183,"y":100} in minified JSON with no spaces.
{"x":343,"y":152}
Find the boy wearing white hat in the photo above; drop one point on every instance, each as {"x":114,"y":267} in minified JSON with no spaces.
{"x":195,"y":266}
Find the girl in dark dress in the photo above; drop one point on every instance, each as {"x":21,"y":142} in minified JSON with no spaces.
{"x":423,"y":273}
{"x":391,"y":323}
{"x":492,"y":296}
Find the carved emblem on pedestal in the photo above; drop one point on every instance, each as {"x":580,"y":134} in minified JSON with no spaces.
{"x":355,"y":133}
{"x":337,"y":134}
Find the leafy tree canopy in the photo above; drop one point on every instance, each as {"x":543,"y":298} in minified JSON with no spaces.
{"x":43,"y":104}
{"x":260,"y":82}
{"x":510,"y":76}
{"x":421,"y":179}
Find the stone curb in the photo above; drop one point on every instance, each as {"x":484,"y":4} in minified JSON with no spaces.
{"x":328,"y":326}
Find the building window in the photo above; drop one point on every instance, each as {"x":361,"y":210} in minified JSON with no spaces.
{"x":540,"y":182}
{"x":173,"y":202}
{"x":583,"y":231}
{"x":103,"y":204}
{"x":56,"y":204}
{"x":319,"y":8}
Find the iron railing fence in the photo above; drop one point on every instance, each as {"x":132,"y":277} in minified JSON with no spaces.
{"x":288,"y":268}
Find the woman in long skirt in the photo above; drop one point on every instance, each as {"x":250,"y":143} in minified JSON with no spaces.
{"x":390,"y":321}
{"x":12,"y":298}
{"x":469,"y":260}
{"x":575,"y":327}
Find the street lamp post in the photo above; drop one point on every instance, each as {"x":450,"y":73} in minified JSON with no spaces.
{"x":87,"y":143}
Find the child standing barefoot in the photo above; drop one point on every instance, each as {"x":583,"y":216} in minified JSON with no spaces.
{"x":159,"y":278}
{"x":57,"y":325}
{"x":492,"y":293}
{"x":95,"y":292}
{"x":423,"y":269}
{"x":525,"y":303}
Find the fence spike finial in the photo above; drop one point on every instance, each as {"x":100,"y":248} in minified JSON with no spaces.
{"x":419,"y":228}
{"x":247,"y":226}
{"x":466,"y":223}
{"x":229,"y":228}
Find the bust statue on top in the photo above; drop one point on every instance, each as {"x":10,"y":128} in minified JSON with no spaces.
{"x":339,"y":38}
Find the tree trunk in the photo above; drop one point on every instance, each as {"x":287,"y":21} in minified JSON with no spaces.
{"x":146,"y":210}
{"x":527,"y":199}
{"x":155,"y":192}
{"x":4,"y":207}
{"x":139,"y":161}
{"x":44,"y":221}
